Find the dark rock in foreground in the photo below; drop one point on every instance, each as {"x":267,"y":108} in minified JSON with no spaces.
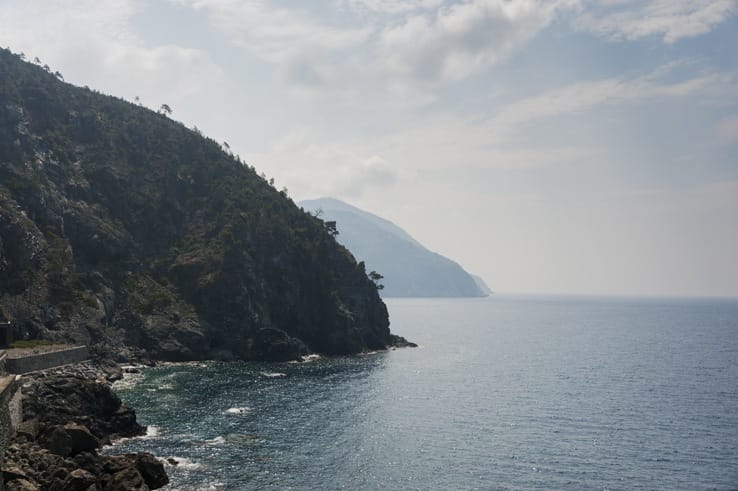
{"x":66,"y":402}
{"x":66,"y":418}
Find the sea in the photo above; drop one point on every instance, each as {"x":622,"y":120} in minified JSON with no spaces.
{"x":503,"y":393}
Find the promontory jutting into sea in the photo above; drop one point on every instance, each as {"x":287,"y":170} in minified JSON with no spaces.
{"x":276,"y":245}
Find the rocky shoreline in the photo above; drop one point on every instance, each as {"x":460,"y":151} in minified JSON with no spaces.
{"x":69,"y":413}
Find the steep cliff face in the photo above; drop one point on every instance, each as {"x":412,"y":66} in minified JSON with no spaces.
{"x":124,"y":229}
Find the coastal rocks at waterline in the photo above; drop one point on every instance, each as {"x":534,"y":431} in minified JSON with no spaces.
{"x":58,"y":399}
{"x":67,"y":417}
{"x":30,"y":466}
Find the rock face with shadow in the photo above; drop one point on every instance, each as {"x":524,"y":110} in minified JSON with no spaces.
{"x":125,"y":230}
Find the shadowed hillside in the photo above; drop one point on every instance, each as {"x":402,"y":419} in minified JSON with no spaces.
{"x":124,"y":229}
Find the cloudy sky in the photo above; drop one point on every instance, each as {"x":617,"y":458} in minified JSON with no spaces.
{"x":559,"y":146}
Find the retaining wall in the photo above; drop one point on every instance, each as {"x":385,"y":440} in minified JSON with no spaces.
{"x":10,"y":397}
{"x":42,"y":361}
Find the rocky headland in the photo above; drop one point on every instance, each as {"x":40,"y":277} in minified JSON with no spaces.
{"x":126,"y":231}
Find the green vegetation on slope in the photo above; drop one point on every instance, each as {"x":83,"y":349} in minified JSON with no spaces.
{"x":125,"y":229}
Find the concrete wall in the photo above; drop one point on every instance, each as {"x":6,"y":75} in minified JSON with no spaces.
{"x":42,"y":361}
{"x":10,"y":395}
{"x":15,"y":408}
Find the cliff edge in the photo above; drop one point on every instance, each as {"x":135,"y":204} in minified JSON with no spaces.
{"x":125,"y":230}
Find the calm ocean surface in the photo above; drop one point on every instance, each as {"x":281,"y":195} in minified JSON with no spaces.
{"x":504,"y":393}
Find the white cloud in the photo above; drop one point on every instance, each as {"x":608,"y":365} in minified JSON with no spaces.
{"x":302,"y":48}
{"x":461,"y":39}
{"x":415,"y":46}
{"x":444,"y":144}
{"x":335,"y":168}
{"x":588,"y":95}
{"x":670,"y":19}
{"x":727,"y":130}
{"x":389,"y":6}
{"x":418,"y":45}
{"x":276,"y":34}
{"x":92,"y":43}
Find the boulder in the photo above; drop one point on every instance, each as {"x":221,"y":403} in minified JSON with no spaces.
{"x":59,"y":399}
{"x":79,"y":480}
{"x":20,"y":485}
{"x":11,"y":471}
{"x":82,"y":439}
{"x":152,"y":470}
{"x":57,"y":441}
{"x":127,"y":480}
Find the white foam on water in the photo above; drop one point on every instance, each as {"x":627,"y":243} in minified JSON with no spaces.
{"x":181,"y":463}
{"x":193,"y":364}
{"x":272,"y":374}
{"x":151,"y":432}
{"x":311,"y":357}
{"x":129,"y":381}
{"x":211,"y":487}
{"x":238,"y":410}
{"x":218,"y":440}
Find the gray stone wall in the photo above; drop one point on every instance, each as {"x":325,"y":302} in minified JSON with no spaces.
{"x":8,"y":392}
{"x":42,"y":361}
{"x":15,"y":409}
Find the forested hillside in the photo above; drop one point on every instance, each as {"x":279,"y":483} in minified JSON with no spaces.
{"x":122,"y":228}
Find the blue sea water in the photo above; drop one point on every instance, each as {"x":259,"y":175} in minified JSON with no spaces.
{"x":506,"y":392}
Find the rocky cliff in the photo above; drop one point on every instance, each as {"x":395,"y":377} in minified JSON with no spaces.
{"x":123,"y":229}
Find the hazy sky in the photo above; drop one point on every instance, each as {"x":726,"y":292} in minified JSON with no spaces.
{"x":562,"y":146}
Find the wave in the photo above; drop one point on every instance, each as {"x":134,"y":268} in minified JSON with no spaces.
{"x":238,"y":410}
{"x":181,"y":463}
{"x":152,"y":432}
{"x":218,"y":440}
{"x":129,"y":381}
{"x":194,"y":364}
{"x":272,"y":374}
{"x":243,"y":439}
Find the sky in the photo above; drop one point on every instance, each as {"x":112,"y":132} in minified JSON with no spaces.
{"x":550,"y":146}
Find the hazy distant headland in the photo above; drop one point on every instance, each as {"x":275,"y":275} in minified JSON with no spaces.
{"x":409,"y":269}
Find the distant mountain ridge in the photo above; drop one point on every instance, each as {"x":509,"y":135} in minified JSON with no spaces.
{"x":409,"y":268}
